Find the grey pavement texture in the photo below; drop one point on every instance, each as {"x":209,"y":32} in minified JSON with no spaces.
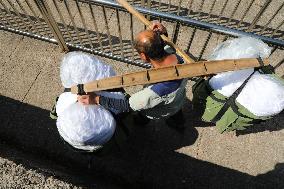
{"x":33,"y":155}
{"x":154,"y":157}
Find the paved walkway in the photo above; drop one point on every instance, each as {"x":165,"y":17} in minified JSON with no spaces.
{"x":155,"y":156}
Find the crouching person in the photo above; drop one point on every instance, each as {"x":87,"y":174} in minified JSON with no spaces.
{"x":93,"y":126}
{"x":238,"y":99}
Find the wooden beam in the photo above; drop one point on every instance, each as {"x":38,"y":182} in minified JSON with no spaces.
{"x":174,"y":72}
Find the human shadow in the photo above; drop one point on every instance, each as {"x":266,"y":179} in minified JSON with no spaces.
{"x":152,"y":157}
{"x":193,"y":114}
{"x":273,"y":178}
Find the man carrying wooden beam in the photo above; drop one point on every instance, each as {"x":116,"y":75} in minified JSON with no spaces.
{"x":162,"y":100}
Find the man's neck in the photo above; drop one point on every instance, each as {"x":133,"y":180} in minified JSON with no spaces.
{"x":167,"y":61}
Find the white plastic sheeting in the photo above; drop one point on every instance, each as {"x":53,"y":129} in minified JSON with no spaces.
{"x":64,"y":101}
{"x":79,"y":68}
{"x":84,"y":127}
{"x":264,"y":94}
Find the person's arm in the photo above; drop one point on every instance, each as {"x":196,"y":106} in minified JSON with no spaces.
{"x":114,"y":105}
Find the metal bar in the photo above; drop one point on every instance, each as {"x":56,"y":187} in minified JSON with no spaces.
{"x":176,"y":32}
{"x":132,"y":37}
{"x":204,"y":46}
{"x":169,"y":5}
{"x":259,"y":14}
{"x":244,"y":15}
{"x":98,"y":35}
{"x":190,"y":2}
{"x":73,"y":23}
{"x":28,"y":34}
{"x":6,"y":19}
{"x":46,"y":13}
{"x":119,"y":33}
{"x":149,"y":7}
{"x":9,"y":12}
{"x":273,"y":16}
{"x":222,"y":11}
{"x":142,"y":3}
{"x":225,"y":39}
{"x":273,"y":50}
{"x":195,"y":23}
{"x":2,"y":21}
{"x":200,"y":8}
{"x":62,"y":20}
{"x":279,"y":64}
{"x":159,"y":5}
{"x":190,"y":41}
{"x":179,"y":7}
{"x":77,"y":47}
{"x":84,"y":24}
{"x":212,"y":7}
{"x":234,"y":11}
{"x":149,"y":3}
{"x":28,"y":17}
{"x":37,"y":18}
{"x":277,"y":28}
{"x":18,"y":14}
{"x":177,"y":25}
{"x":107,"y":29}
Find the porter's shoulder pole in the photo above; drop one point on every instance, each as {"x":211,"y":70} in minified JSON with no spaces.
{"x":173,"y":72}
{"x":133,"y":11}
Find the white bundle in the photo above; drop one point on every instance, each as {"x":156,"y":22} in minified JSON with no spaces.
{"x":79,"y":68}
{"x":263,"y":95}
{"x":84,"y":127}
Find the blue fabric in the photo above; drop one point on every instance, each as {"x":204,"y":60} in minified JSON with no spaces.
{"x":166,"y":88}
{"x":180,"y":59}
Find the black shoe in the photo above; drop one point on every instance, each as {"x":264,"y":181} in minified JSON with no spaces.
{"x":177,"y":121}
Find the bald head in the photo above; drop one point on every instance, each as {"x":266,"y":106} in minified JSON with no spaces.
{"x":151,"y":44}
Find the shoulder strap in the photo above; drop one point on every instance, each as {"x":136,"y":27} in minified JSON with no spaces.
{"x":231,"y":100}
{"x":67,"y":90}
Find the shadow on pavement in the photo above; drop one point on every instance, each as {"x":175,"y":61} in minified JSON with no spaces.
{"x":274,"y":124}
{"x":147,"y":160}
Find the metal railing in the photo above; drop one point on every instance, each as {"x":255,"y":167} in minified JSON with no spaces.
{"x":104,"y":28}
{"x":264,"y":17}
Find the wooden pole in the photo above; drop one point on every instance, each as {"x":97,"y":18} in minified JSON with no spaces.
{"x":174,"y":72}
{"x":133,"y":11}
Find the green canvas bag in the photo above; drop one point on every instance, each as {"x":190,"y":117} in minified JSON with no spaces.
{"x":228,"y":114}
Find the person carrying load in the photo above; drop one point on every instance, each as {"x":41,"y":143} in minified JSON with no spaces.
{"x":237,"y":99}
{"x":162,"y":100}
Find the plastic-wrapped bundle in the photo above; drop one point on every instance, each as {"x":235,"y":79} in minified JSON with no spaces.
{"x":84,"y":127}
{"x":79,"y":68}
{"x":64,"y":101}
{"x":263,"y":95}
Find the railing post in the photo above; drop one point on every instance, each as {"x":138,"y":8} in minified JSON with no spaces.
{"x":49,"y":19}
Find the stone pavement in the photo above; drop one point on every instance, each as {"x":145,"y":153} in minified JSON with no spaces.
{"x":154,"y":157}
